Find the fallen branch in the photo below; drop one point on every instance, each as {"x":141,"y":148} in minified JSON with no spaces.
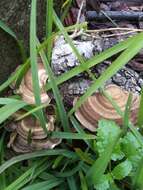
{"x":115,"y":15}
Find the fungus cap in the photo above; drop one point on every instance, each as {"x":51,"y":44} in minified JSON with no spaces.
{"x":98,"y":106}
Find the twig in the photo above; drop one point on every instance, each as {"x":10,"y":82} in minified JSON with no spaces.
{"x":79,"y":15}
{"x":115,"y":29}
{"x":118,"y":34}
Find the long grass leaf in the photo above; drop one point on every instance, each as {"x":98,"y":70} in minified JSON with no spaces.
{"x":60,"y":106}
{"x":127,"y":114}
{"x":93,"y":61}
{"x":26,"y":176}
{"x":72,"y":183}
{"x":49,"y":24}
{"x":83,"y":181}
{"x":34,"y":64}
{"x":140,"y":112}
{"x":66,"y":135}
{"x":7,"y":110}
{"x":37,"y":154}
{"x":46,"y":185}
{"x":2,"y":176}
{"x":12,"y":34}
{"x":126,"y":56}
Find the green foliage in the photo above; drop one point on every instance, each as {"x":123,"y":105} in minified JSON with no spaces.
{"x":122,"y":170}
{"x":104,"y":160}
{"x":104,"y":131}
{"x":98,"y":168}
{"x":5,"y":28}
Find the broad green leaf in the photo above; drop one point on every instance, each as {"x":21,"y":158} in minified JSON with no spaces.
{"x":103,"y":183}
{"x":122,"y":170}
{"x":138,"y":176}
{"x":132,"y":149}
{"x":105,"y":129}
{"x":98,"y":168}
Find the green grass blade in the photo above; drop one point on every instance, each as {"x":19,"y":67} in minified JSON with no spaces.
{"x":46,"y":185}
{"x":126,"y":118}
{"x":98,"y":168}
{"x":31,"y":111}
{"x":70,"y":172}
{"x":27,"y":176}
{"x":126,"y":56}
{"x":49,"y":24}
{"x":99,"y":58}
{"x":140,"y":112}
{"x":84,"y":185}
{"x":4,"y":27}
{"x":72,"y":183}
{"x":79,"y":129}
{"x":2,"y":176}
{"x":84,"y":156}
{"x":34,"y":64}
{"x":37,"y":154}
{"x":7,"y":110}
{"x":93,"y":61}
{"x":60,"y":106}
{"x":5,"y":101}
{"x":70,"y":42}
{"x":66,"y":10}
{"x":17,"y":75}
{"x":66,"y":135}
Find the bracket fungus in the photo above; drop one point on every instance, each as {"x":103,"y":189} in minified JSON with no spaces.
{"x":26,"y":87}
{"x":98,"y":106}
{"x":30,"y":136}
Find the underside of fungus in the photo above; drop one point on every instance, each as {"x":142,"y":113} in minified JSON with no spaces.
{"x":26,"y":87}
{"x":98,"y":106}
{"x":30,"y":136}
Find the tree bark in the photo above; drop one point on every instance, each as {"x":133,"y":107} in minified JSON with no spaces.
{"x":16,"y":14}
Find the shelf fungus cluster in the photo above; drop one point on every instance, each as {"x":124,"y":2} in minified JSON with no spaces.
{"x":29,"y":136}
{"x":98,"y":106}
{"x":26,"y":88}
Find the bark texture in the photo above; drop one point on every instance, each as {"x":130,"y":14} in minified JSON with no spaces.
{"x":16,"y":14}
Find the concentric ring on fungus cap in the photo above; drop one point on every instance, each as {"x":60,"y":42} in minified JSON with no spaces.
{"x":26,"y":87}
{"x":21,"y":145}
{"x":38,"y":138}
{"x":97,"y":107}
{"x":33,"y":125}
